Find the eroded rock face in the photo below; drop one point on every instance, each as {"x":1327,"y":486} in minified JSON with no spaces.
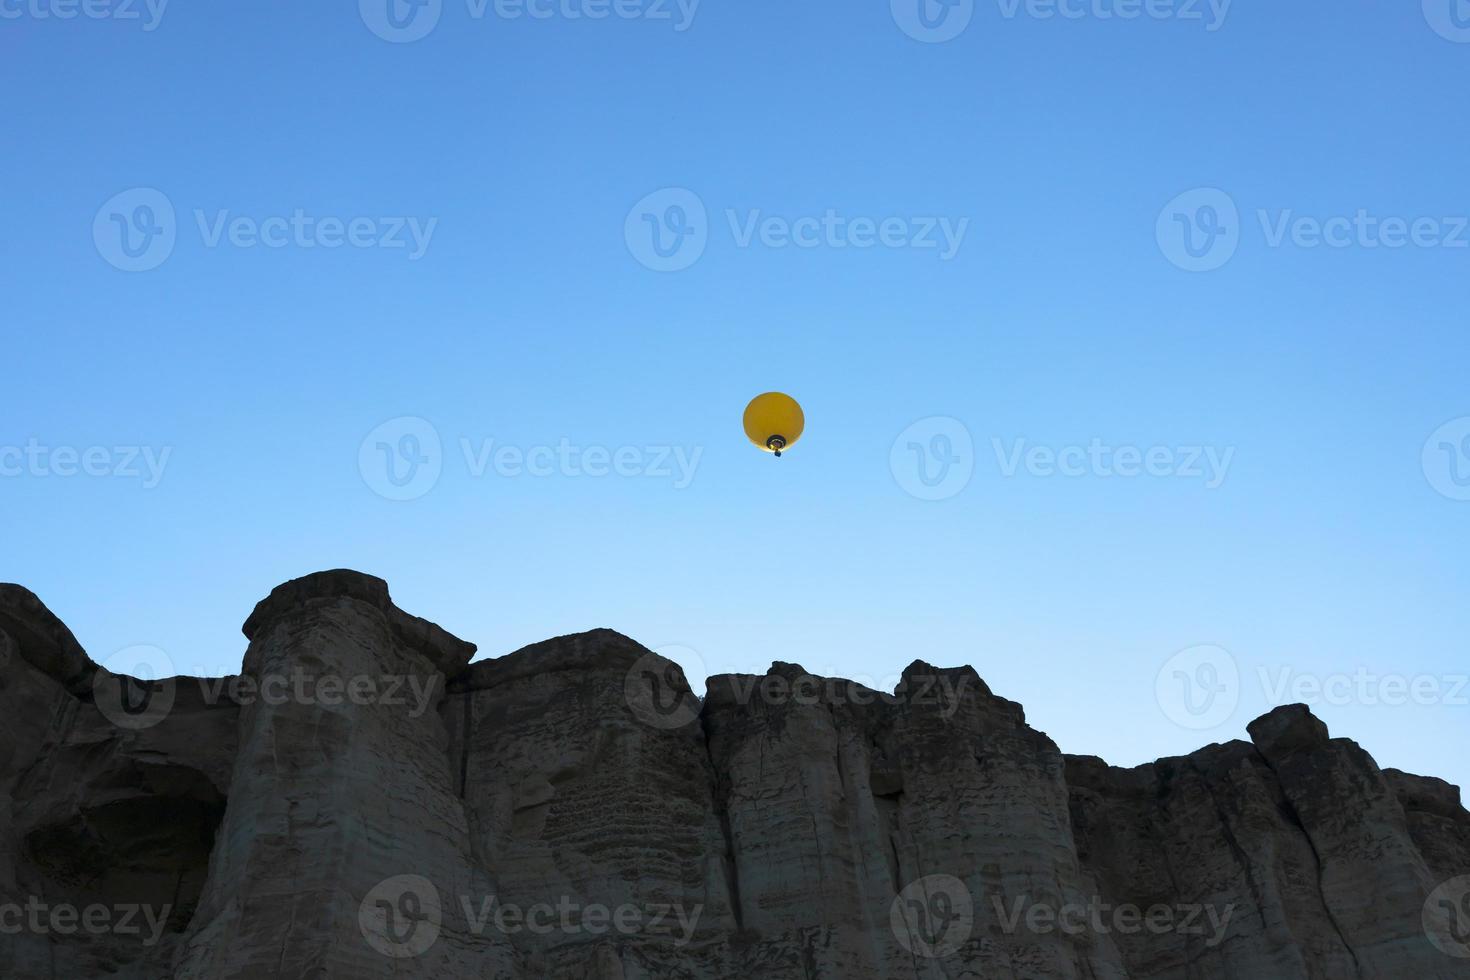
{"x":362,"y":801}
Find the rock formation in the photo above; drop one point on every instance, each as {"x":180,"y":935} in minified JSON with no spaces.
{"x":363,"y":802}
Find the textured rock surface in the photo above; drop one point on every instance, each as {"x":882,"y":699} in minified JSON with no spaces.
{"x":363,"y":802}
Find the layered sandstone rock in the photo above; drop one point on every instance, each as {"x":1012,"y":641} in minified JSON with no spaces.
{"x":362,"y":801}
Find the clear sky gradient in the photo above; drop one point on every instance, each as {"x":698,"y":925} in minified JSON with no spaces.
{"x":532,"y":152}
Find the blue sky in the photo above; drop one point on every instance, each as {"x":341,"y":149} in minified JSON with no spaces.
{"x":530,"y":153}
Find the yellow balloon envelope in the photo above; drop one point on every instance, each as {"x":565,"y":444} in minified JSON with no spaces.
{"x":774,"y":421}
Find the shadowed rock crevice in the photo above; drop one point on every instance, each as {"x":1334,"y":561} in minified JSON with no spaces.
{"x":150,"y":844}
{"x":784,"y":826}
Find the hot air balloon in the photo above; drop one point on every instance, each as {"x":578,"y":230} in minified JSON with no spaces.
{"x":774,"y":421}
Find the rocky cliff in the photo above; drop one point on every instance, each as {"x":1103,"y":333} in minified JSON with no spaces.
{"x":361,"y":802}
